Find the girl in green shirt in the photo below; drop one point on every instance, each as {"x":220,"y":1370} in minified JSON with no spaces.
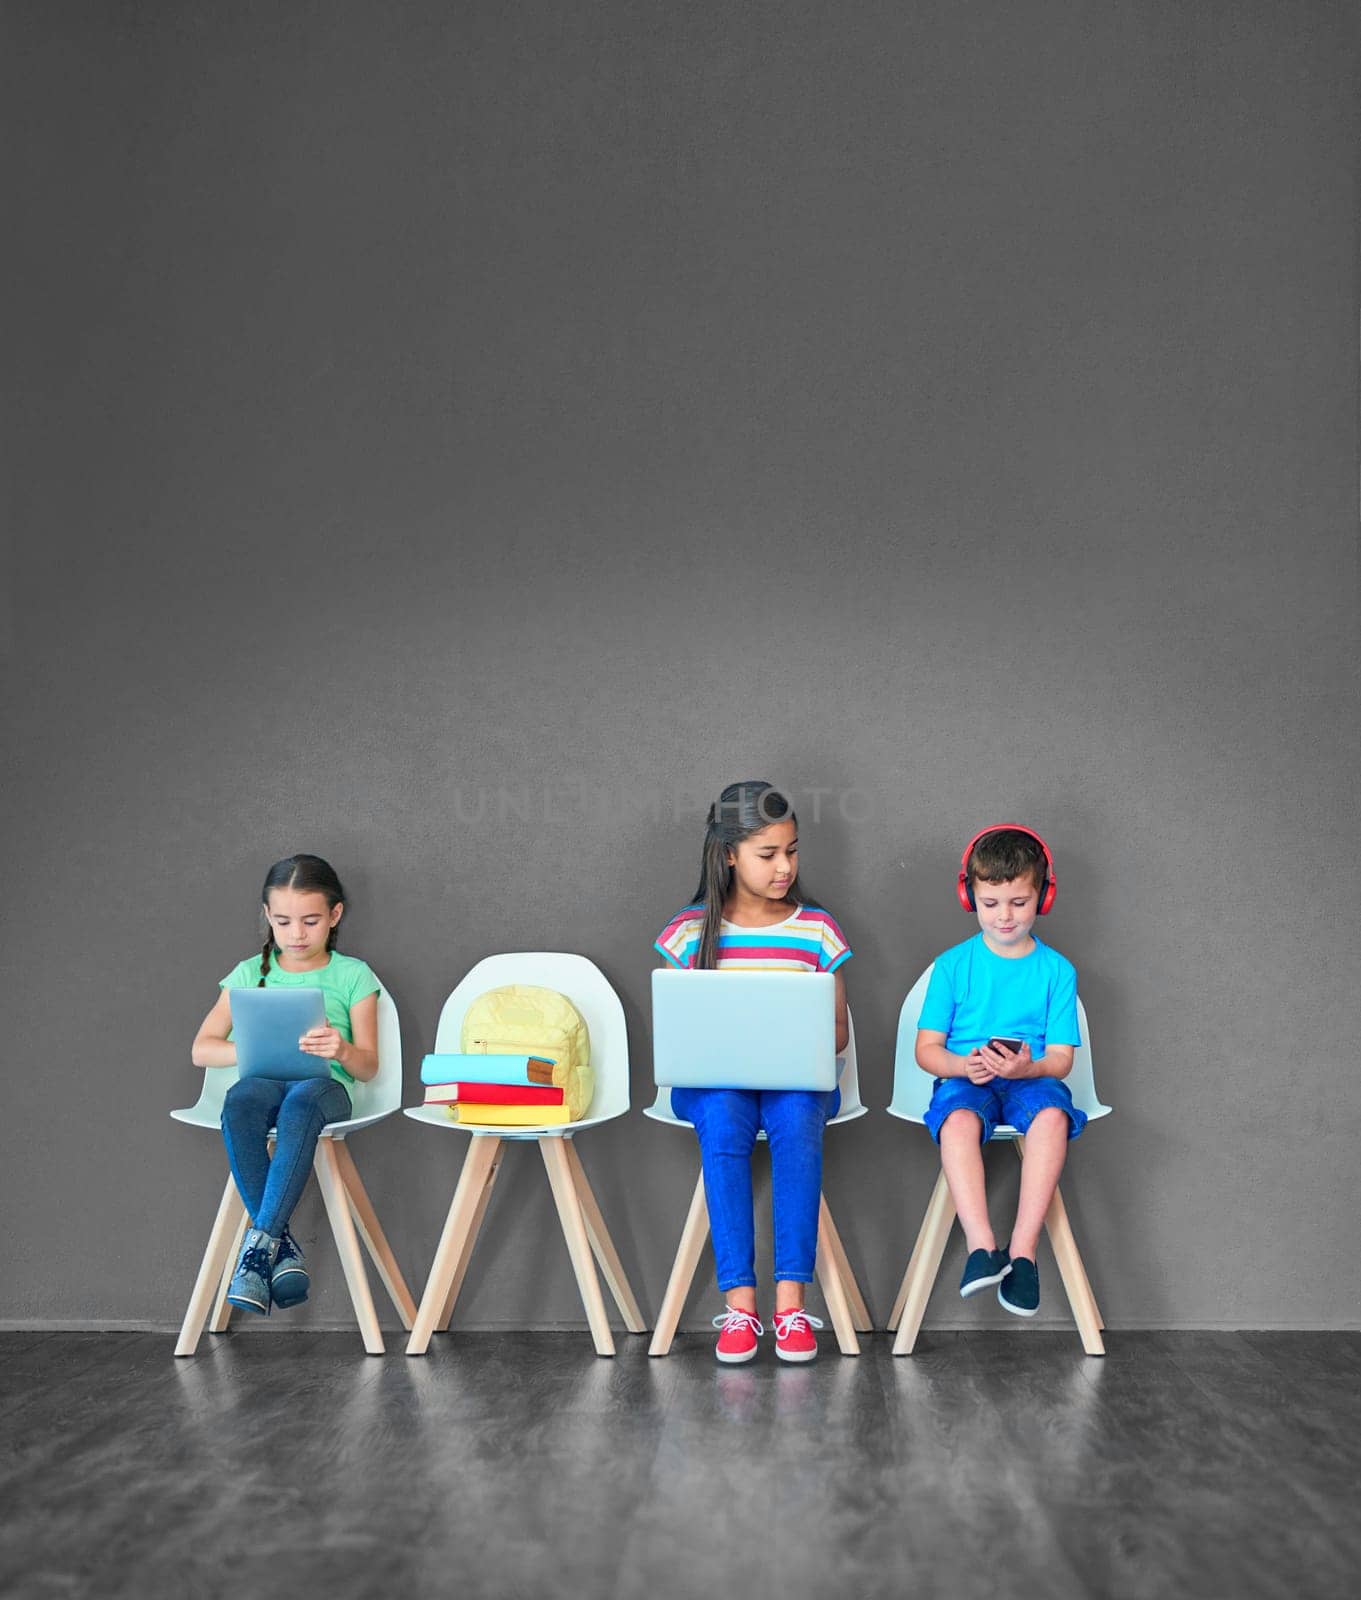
{"x":303,"y":905}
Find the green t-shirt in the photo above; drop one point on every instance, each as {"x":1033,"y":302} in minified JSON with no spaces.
{"x":344,"y":981}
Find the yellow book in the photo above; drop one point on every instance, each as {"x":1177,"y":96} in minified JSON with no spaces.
{"x":477,"y":1111}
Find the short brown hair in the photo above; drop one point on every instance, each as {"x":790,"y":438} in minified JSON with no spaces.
{"x":1007,"y":853}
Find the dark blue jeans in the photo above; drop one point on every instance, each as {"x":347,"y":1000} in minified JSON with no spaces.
{"x":726,"y":1123}
{"x":299,"y":1110}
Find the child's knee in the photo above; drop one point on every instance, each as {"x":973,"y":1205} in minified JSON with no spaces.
{"x":1049,"y":1119}
{"x":963,"y":1124}
{"x":248,"y":1095}
{"x":796,"y":1121}
{"x":312,"y":1090}
{"x":304,"y":1104}
{"x":727,"y":1121}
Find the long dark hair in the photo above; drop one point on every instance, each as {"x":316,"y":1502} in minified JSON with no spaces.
{"x":740,"y":811}
{"x":299,"y":872}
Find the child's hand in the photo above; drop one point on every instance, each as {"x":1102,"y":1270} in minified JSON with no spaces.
{"x":977,"y":1069}
{"x":1008,"y":1063}
{"x":323,"y":1042}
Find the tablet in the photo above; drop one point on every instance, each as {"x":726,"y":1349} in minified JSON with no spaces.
{"x":266,"y":1027}
{"x":743,"y":1030}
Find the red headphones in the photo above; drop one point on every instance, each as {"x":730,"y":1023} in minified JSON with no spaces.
{"x":1049,"y":884}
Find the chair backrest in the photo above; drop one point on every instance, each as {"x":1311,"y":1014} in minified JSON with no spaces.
{"x":912,"y":1087}
{"x":584,"y":984}
{"x":848,"y":1080}
{"x":379,"y":1096}
{"x":382,"y":1094}
{"x":848,"y":1075}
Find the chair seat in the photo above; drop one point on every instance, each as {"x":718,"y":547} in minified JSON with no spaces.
{"x":849,"y":1115}
{"x":196,"y":1117}
{"x":434,"y":1117}
{"x":1003,"y":1130}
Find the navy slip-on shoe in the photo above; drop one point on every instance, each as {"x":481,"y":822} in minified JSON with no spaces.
{"x":1020,"y":1294}
{"x":982,"y":1269}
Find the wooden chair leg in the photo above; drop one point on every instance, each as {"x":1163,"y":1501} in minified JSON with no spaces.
{"x":229,"y":1213}
{"x":371,"y":1232}
{"x":859,"y":1310}
{"x":834,"y":1290}
{"x":446,"y":1312}
{"x":611,"y":1269}
{"x":1078,"y":1267}
{"x":1096,"y":1309}
{"x":327,"y":1168}
{"x":896,"y":1315}
{"x":692,"y":1238}
{"x":1071,"y":1270}
{"x":909,"y":1272}
{"x":923,"y":1266}
{"x":222,"y":1308}
{"x":1080,"y":1297}
{"x":471,"y":1182}
{"x":578,"y":1243}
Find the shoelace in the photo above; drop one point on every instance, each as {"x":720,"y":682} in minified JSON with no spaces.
{"x":256,"y":1259}
{"x":791,"y":1320}
{"x":732,"y":1320}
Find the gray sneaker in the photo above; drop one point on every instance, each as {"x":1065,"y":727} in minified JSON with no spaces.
{"x":249,"y":1287}
{"x":288,"y":1283}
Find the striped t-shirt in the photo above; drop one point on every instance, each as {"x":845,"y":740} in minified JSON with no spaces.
{"x":808,"y":940}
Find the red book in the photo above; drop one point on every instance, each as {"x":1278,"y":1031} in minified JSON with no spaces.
{"x":509,"y":1094}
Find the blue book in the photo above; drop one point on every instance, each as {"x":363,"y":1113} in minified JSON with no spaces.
{"x":463,"y":1068}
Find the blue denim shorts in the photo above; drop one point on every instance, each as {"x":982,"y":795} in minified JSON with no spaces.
{"x":1010,"y":1101}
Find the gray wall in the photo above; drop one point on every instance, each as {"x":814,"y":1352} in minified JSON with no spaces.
{"x":950,"y":407}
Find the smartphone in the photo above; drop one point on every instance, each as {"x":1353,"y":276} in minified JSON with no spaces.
{"x":1006,"y":1044}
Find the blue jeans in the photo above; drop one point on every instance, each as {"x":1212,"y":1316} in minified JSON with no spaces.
{"x":726,"y":1123}
{"x":299,"y":1110}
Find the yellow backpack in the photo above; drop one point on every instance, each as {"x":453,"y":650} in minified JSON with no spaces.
{"x":523,"y":1019}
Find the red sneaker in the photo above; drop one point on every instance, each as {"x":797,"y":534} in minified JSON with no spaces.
{"x":741,"y":1330}
{"x":794,"y":1340}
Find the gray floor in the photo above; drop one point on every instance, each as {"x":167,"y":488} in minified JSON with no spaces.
{"x":998,"y":1463}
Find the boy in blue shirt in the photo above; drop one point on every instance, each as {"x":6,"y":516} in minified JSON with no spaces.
{"x":997,"y":1030}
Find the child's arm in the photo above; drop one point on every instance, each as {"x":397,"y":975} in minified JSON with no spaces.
{"x":843,"y":1026}
{"x":359,"y":1059}
{"x":1056,"y":1062}
{"x":211,"y":1046}
{"x":933,"y":1057}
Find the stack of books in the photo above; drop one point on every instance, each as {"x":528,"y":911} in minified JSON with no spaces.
{"x":496,"y":1091}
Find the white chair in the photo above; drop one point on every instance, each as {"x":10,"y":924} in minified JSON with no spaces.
{"x":583,"y":1226}
{"x":911,"y":1095}
{"x":845,"y":1303}
{"x":347,"y":1202}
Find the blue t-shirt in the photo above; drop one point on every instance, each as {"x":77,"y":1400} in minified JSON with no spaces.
{"x":974,"y":996}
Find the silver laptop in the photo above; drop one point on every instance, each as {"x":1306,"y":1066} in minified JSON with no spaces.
{"x":744,"y":1030}
{"x":266,"y":1027}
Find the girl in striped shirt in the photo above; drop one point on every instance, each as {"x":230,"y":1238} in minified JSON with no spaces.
{"x":751,"y":913}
